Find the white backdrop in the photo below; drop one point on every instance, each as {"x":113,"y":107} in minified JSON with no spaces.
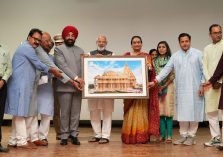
{"x":119,"y":20}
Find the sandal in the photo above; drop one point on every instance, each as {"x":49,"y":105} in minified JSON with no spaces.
{"x":169,"y":140}
{"x":103,"y":141}
{"x":94,"y":139}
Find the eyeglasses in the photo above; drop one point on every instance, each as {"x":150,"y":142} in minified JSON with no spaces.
{"x":36,"y":39}
{"x":216,"y":33}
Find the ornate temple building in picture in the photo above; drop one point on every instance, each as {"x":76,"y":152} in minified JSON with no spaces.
{"x":112,"y":81}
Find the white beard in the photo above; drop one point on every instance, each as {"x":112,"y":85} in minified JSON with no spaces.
{"x":101,"y":48}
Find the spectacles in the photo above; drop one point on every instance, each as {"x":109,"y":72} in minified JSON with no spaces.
{"x":36,"y":39}
{"x":216,"y":33}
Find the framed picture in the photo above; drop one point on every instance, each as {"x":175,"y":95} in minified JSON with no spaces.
{"x":115,"y":77}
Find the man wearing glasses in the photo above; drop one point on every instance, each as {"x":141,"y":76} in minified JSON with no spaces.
{"x":212,"y":55}
{"x":20,"y":88}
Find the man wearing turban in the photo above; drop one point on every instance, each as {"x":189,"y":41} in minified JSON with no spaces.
{"x":68,"y":59}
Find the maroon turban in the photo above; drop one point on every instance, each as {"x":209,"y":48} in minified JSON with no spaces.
{"x":69,"y":29}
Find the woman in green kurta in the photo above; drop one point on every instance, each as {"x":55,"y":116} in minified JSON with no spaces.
{"x":166,"y":93}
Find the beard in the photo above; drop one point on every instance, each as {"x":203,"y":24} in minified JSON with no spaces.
{"x":101,"y":48}
{"x":69,"y":42}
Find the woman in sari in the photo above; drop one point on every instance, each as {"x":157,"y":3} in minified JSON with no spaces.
{"x":141,"y":116}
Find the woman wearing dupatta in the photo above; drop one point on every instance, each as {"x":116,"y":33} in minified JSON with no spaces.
{"x":141,"y":116}
{"x":166,"y":93}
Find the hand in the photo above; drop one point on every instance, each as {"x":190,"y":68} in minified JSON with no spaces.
{"x":80,"y":81}
{"x":75,"y":85}
{"x":56,"y":73}
{"x":1,"y":84}
{"x":207,"y":86}
{"x":151,"y":84}
{"x":201,"y":91}
{"x":161,"y":89}
{"x":216,"y":85}
{"x":85,"y":55}
{"x":99,"y":55}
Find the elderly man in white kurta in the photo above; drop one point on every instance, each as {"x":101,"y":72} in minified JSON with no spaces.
{"x":187,"y":63}
{"x":98,"y":106}
{"x":212,"y":55}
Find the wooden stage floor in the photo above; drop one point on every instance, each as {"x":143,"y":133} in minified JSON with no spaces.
{"x":115,"y":148}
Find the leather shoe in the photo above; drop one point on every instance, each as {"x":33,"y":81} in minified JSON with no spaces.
{"x":75,"y":141}
{"x":11,"y":146}
{"x":40,"y":143}
{"x":58,"y":137}
{"x":63,"y":142}
{"x":4,"y":150}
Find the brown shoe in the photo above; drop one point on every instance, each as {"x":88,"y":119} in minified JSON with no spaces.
{"x":103,"y":141}
{"x":40,"y":143}
{"x":58,"y":137}
{"x":162,"y":140}
{"x":27,"y":146}
{"x":11,"y":146}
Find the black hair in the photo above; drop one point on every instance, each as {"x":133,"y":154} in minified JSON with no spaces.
{"x":168,"y":53}
{"x":151,"y":50}
{"x":34,"y":30}
{"x":136,"y":36}
{"x":184,"y":35}
{"x":214,"y":25}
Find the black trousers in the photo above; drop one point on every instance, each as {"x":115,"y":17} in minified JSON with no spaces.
{"x":3,"y":94}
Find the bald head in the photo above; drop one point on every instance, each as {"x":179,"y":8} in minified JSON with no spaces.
{"x":46,"y":43}
{"x":101,"y":42}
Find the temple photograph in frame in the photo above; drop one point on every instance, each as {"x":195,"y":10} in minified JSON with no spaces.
{"x":115,"y":77}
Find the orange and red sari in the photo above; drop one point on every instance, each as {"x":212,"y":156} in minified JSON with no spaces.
{"x":141,"y":116}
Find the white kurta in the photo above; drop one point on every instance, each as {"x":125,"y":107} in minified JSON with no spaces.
{"x":212,"y":55}
{"x":188,"y":77}
{"x":45,"y":98}
{"x":101,"y":104}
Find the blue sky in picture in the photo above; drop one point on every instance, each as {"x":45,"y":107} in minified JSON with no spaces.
{"x":99,"y":67}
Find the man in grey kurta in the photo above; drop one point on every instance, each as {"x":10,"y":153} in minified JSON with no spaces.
{"x":187,"y":64}
{"x":68,"y":59}
{"x":39,"y":137}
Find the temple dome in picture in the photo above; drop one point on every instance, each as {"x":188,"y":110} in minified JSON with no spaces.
{"x":111,"y":81}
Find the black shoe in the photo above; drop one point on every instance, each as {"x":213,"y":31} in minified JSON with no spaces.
{"x":63,"y":142}
{"x":75,"y":141}
{"x":4,"y":150}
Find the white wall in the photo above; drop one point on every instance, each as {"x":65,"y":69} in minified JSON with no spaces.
{"x":154,"y":20}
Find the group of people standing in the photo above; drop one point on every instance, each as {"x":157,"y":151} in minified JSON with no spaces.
{"x":39,"y":83}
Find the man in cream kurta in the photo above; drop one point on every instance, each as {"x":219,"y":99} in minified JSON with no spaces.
{"x":187,"y":63}
{"x":212,"y":55}
{"x":98,"y":106}
{"x":5,"y":73}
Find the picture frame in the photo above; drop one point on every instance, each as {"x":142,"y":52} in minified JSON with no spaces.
{"x":117,"y":77}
